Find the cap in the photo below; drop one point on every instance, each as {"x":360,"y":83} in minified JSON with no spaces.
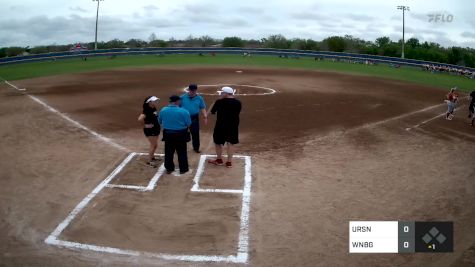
{"x":227,"y":90}
{"x":193,"y":87}
{"x":174,"y":98}
{"x":152,"y":98}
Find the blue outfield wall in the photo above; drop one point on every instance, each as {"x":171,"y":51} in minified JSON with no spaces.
{"x":222,"y":50}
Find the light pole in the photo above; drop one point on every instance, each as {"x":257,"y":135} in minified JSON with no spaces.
{"x":403,"y":8}
{"x":97,"y":20}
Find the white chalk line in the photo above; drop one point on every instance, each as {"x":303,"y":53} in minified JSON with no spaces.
{"x":243,"y":244}
{"x":270,"y":90}
{"x":429,"y":120}
{"x":111,"y":250}
{"x":199,"y":173}
{"x":60,"y":228}
{"x":372,"y":124}
{"x":79,"y":125}
{"x":242,"y":255}
{"x":12,"y":85}
{"x":69,"y":119}
{"x":151,"y":185}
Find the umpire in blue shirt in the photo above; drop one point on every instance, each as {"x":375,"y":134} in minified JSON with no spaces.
{"x":175,"y":122}
{"x":195,"y":105}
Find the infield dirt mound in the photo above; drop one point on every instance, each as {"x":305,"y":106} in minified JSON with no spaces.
{"x":307,"y":103}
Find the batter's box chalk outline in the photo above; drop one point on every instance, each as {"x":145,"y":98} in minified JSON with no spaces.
{"x":151,"y":185}
{"x":242,"y":253}
{"x":201,"y":168}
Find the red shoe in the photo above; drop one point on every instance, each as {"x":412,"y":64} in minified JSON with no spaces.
{"x":229,"y":164}
{"x":218,"y":162}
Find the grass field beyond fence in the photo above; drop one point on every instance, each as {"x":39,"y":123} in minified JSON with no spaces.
{"x":75,"y":65}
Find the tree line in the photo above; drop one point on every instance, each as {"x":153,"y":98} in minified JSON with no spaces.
{"x":383,"y":46}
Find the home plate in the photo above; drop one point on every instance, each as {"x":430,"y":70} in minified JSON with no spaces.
{"x":239,"y":71}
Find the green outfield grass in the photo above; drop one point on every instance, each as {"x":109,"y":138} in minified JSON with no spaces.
{"x":413,"y":75}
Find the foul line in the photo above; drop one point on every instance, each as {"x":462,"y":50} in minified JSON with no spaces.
{"x":399,"y":117}
{"x":12,"y":85}
{"x":429,"y":120}
{"x":69,"y":119}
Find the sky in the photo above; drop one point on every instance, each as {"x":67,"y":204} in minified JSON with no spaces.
{"x":44,"y":22}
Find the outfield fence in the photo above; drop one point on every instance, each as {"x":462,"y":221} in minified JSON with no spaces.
{"x":291,"y":53}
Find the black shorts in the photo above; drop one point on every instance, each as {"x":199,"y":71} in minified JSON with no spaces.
{"x":155,"y":131}
{"x":226,"y":135}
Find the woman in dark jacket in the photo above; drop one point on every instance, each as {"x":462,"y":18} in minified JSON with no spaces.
{"x":151,"y":127}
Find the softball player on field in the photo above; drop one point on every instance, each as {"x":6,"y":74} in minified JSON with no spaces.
{"x":151,"y":127}
{"x":452,"y":98}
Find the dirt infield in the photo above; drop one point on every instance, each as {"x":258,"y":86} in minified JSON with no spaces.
{"x":326,"y":148}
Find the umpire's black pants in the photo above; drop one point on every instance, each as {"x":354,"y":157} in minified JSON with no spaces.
{"x":175,"y":141}
{"x":195,"y":131}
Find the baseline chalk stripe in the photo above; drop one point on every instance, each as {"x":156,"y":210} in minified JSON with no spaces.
{"x":64,"y":116}
{"x":242,"y":255}
{"x":399,"y":116}
{"x":429,"y":120}
{"x":79,"y":125}
{"x":12,"y":85}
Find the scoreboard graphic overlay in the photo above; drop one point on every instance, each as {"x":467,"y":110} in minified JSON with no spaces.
{"x":400,"y":237}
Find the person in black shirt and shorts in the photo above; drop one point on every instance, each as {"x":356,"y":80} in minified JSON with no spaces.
{"x":151,"y":127}
{"x":226,"y":130}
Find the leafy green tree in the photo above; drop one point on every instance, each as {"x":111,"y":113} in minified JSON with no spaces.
{"x":383,"y":41}
{"x":15,"y":51}
{"x":304,"y":44}
{"x":454,"y":55}
{"x":158,"y":43}
{"x":355,"y":45}
{"x":412,"y":43}
{"x":39,"y":50}
{"x":233,"y":42}
{"x":136,"y":43}
{"x":115,"y":43}
{"x":392,"y":50}
{"x":206,"y":41}
{"x":277,"y":41}
{"x":335,"y":43}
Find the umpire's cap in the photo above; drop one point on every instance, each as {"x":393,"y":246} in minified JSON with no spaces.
{"x":174,"y":98}
{"x":193,"y":87}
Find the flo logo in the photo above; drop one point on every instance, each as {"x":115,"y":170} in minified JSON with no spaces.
{"x":440,"y":18}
